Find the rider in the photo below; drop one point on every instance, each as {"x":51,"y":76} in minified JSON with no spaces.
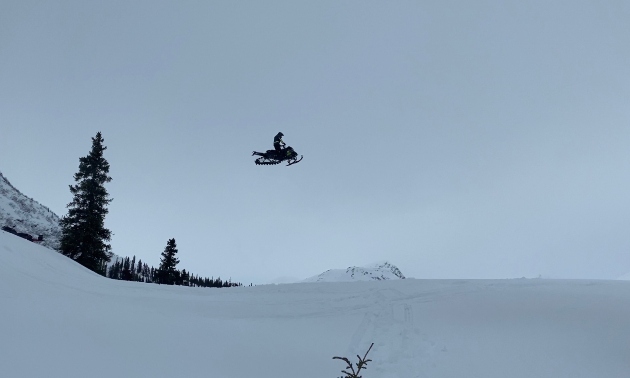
{"x":277,"y":141}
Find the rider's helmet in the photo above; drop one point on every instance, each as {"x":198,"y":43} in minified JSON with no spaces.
{"x":280,"y":133}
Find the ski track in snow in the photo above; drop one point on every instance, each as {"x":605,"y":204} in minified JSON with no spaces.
{"x":400,"y":347}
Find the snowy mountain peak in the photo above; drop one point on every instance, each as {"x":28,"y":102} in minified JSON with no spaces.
{"x":373,"y":272}
{"x":25,"y":215}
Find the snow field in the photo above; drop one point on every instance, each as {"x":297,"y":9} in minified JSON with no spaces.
{"x":58,"y":319}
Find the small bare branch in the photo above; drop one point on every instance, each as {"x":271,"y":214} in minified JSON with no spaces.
{"x":362,"y":364}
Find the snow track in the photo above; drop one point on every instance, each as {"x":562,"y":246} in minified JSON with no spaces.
{"x":400,"y":348}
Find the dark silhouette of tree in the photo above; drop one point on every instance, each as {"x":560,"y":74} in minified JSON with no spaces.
{"x":167,"y":271}
{"x":185,"y":278}
{"x":114,"y":271}
{"x":139,"y":274}
{"x":84,"y":236}
{"x":126,"y":270}
{"x":148,"y":277}
{"x":132,"y":268}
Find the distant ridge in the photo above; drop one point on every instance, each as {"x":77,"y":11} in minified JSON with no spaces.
{"x":373,"y":272}
{"x":26,"y":215}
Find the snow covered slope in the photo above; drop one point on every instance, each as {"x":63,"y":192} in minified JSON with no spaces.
{"x":58,"y":319}
{"x":379,"y":271}
{"x":27,"y":215}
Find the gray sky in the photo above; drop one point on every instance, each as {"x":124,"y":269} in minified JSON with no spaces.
{"x":483,"y":139}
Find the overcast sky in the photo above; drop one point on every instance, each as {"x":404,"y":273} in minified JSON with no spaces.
{"x":456,"y":139}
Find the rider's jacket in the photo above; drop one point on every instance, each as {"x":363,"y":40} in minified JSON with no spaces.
{"x":278,"y":139}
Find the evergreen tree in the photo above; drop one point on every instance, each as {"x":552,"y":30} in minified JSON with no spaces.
{"x":167,"y":272}
{"x":126,"y":270}
{"x":110,"y":271}
{"x":147,"y":273}
{"x":115,"y":274}
{"x":185,"y":278}
{"x":133,"y":268}
{"x":139,"y":274}
{"x":115,"y":270}
{"x":84,"y":236}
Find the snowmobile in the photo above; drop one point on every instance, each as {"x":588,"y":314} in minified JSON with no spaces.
{"x":273,"y":157}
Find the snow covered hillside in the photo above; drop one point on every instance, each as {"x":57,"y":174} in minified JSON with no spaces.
{"x":58,"y":319}
{"x":379,"y":271}
{"x":27,"y":215}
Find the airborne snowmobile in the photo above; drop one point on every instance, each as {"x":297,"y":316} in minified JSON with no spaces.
{"x":273,"y":157}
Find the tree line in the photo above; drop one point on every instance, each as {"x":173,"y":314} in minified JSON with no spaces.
{"x":85,"y":239}
{"x":128,"y":270}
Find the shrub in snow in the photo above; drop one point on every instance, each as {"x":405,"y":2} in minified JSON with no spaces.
{"x":350,"y":372}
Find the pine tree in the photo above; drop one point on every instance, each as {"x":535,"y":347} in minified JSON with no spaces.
{"x":167,"y":272}
{"x":185,"y":278}
{"x":84,"y":236}
{"x":126,"y":270}
{"x":114,"y":271}
{"x":132,"y":268}
{"x":110,"y":272}
{"x":147,"y":273}
{"x":139,"y":275}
